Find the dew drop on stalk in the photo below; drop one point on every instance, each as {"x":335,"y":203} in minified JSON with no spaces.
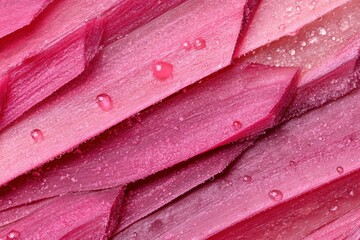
{"x":276,"y":195}
{"x":162,"y":70}
{"x":37,"y":135}
{"x":200,"y":43}
{"x":282,"y":27}
{"x":13,"y":234}
{"x":237,"y":125}
{"x":322,"y":31}
{"x":186,"y":45}
{"x":340,"y":170}
{"x":247,"y":178}
{"x":104,"y":101}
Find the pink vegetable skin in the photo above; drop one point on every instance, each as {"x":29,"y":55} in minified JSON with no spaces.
{"x":169,"y":133}
{"x":3,"y":92}
{"x":130,"y":87}
{"x":60,"y":43}
{"x":17,"y":14}
{"x":148,"y":195}
{"x":334,"y":72}
{"x":85,"y":215}
{"x":276,"y":19}
{"x":345,"y":227}
{"x":296,"y":161}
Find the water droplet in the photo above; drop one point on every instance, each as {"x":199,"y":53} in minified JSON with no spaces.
{"x":298,"y":9}
{"x":333,"y":208}
{"x":308,"y":66}
{"x":340,"y":170}
{"x":282,"y":27}
{"x":37,"y":135}
{"x":352,"y":193}
{"x":292,"y":52}
{"x":247,"y":178}
{"x":276,"y":195}
{"x":199,"y":43}
{"x":312,"y":5}
{"x":186,"y":45}
{"x":237,"y":125}
{"x":322,"y":31}
{"x":13,"y":234}
{"x":162,"y":70}
{"x":104,"y":101}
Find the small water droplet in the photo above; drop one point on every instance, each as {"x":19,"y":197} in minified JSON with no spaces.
{"x":37,"y":135}
{"x":322,"y":31}
{"x":333,"y":208}
{"x":292,"y":52}
{"x":13,"y":234}
{"x":186,"y":45}
{"x":237,"y":125}
{"x":181,"y":119}
{"x":276,"y":195}
{"x":298,"y":9}
{"x":104,"y":101}
{"x":312,"y":5}
{"x":352,"y":193}
{"x":247,"y":178}
{"x":340,"y":170}
{"x":308,"y":66}
{"x":282,"y":27}
{"x":162,"y":70}
{"x":200,"y":43}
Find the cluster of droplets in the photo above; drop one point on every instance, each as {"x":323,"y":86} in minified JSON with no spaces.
{"x":198,"y":44}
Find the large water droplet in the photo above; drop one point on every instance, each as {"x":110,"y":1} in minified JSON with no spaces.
{"x":104,"y":101}
{"x":247,"y":178}
{"x":340,"y":170}
{"x":237,"y":125}
{"x":322,"y":31}
{"x":200,"y":43}
{"x":37,"y":135}
{"x":13,"y":234}
{"x":162,"y":70}
{"x":186,"y":45}
{"x":276,"y":195}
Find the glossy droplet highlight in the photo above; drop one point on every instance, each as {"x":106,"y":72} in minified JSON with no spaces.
{"x":13,"y":234}
{"x":276,"y":195}
{"x":162,"y":70}
{"x":237,"y":125}
{"x":37,"y":135}
{"x":340,"y":170}
{"x":247,"y":178}
{"x":104,"y":101}
{"x":333,"y":208}
{"x":186,"y":45}
{"x":200,"y":43}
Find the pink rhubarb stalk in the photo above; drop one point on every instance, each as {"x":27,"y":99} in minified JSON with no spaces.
{"x":328,"y":52}
{"x":60,"y":43}
{"x":17,"y":14}
{"x":88,"y":215}
{"x":115,"y":87}
{"x":276,"y":19}
{"x":141,"y":147}
{"x":3,"y":92}
{"x":310,"y":161}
